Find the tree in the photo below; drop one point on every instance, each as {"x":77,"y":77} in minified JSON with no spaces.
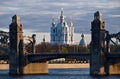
{"x":64,"y":49}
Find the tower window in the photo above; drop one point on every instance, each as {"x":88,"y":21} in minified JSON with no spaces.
{"x":53,"y":30}
{"x":103,"y":26}
{"x":20,"y":29}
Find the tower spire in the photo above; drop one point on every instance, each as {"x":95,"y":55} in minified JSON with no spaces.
{"x":71,"y":23}
{"x":70,"y":19}
{"x":61,"y":11}
{"x":16,"y":19}
{"x":98,"y":15}
{"x":53,"y":22}
{"x":62,"y":17}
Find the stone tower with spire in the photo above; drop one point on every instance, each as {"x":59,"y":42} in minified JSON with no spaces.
{"x":16,"y":46}
{"x":97,"y":43}
{"x":62,"y":33}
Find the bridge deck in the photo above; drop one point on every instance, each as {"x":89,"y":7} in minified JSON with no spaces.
{"x":48,"y":56}
{"x":4,"y":57}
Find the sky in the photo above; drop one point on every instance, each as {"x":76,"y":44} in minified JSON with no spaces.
{"x":36,"y":15}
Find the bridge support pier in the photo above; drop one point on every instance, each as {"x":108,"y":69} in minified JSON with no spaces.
{"x":18,"y":64}
{"x":106,"y":67}
{"x":100,"y":62}
{"x":16,"y":53}
{"x":36,"y":68}
{"x":97,"y":44}
{"x":114,"y":69}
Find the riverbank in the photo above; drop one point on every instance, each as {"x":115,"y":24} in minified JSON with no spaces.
{"x":53,"y":66}
{"x":68,"y":66}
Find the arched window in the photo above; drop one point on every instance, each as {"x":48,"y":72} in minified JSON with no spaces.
{"x":53,"y":38}
{"x":66,"y":38}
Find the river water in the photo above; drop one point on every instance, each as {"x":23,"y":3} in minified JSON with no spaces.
{"x":82,"y":73}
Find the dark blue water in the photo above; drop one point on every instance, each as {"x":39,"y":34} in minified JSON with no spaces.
{"x":59,"y":74}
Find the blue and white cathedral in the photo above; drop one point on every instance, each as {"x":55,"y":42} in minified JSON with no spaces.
{"x":62,"y":33}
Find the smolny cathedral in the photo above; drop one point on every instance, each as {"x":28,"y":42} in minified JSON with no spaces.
{"x":63,"y":32}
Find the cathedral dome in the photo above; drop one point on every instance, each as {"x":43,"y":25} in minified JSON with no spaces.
{"x":83,"y":41}
{"x":60,"y":25}
{"x":62,"y":22}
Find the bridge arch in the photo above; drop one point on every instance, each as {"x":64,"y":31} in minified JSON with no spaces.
{"x":32,"y":41}
{"x":4,"y":42}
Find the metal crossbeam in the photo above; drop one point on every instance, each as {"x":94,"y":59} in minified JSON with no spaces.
{"x":3,"y":57}
{"x":113,"y":56}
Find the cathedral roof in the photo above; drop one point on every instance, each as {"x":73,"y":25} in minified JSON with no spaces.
{"x":62,"y":22}
{"x":62,"y":33}
{"x":53,"y":22}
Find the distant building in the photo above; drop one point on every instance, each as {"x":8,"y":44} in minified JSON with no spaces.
{"x":83,"y":41}
{"x":62,"y":33}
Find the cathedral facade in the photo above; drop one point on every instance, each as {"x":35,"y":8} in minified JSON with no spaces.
{"x":62,"y":33}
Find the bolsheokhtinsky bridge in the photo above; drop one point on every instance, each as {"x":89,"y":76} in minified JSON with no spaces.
{"x":23,"y":62}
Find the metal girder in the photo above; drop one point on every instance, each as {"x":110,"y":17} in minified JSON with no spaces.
{"x":48,"y":56}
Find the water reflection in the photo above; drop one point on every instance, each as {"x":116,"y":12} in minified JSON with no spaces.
{"x":82,"y":73}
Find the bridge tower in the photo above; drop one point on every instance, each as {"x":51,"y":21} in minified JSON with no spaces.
{"x":16,"y":45}
{"x":97,"y":43}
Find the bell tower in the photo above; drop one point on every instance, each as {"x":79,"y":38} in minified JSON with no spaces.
{"x":16,"y":42}
{"x":97,"y":43}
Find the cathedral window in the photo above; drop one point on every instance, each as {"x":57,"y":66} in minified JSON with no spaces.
{"x":64,"y":23}
{"x":53,"y":38}
{"x":65,"y":38}
{"x":58,"y":38}
{"x":53,"y":30}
